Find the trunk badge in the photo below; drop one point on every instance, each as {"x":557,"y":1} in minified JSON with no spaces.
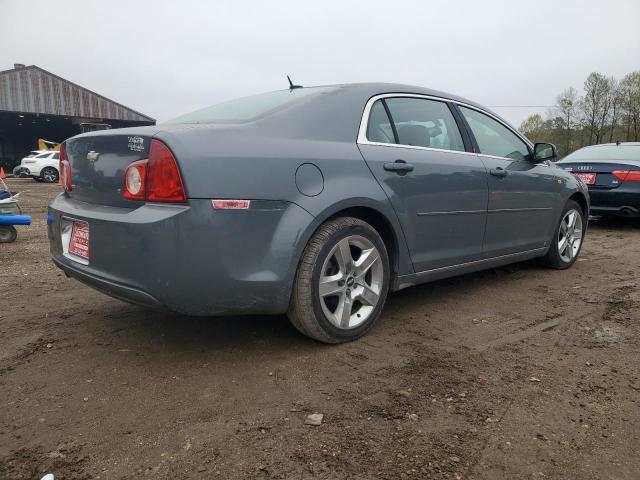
{"x":136,"y":144}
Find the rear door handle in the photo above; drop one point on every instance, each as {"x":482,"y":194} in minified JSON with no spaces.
{"x":498,"y":172}
{"x":399,"y":166}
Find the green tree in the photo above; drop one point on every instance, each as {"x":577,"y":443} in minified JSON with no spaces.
{"x":533,"y":127}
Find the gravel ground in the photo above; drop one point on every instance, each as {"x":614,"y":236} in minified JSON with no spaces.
{"x":519,"y":372}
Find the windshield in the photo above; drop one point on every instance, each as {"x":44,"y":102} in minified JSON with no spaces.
{"x":246,"y":109}
{"x":605,"y":152}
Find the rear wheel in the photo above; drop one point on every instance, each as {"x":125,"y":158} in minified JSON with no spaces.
{"x":8,"y":233}
{"x":567,"y":240}
{"x":49,"y":175}
{"x":341,"y":283}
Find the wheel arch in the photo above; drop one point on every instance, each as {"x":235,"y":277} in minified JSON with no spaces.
{"x":382,"y":225}
{"x":581,"y":200}
{"x":382,"y":218}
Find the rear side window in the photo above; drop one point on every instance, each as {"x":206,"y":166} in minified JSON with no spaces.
{"x":56,"y":156}
{"x":43,"y":155}
{"x":379,"y":128}
{"x":493,"y":138}
{"x":424,"y":123}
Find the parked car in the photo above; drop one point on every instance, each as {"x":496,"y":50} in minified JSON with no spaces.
{"x":310,"y":201}
{"x":19,"y":170}
{"x":41,"y":165}
{"x":612,"y":173}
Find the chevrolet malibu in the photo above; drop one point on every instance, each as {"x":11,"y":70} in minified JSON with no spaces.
{"x":311,"y":201}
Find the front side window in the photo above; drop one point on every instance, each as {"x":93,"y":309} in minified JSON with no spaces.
{"x":493,"y":138}
{"x":424,"y":123}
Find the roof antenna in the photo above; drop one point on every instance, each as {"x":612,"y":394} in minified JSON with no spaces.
{"x":291,"y":85}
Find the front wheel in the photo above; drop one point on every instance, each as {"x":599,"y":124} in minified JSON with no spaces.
{"x":567,"y":240}
{"x":341,"y":283}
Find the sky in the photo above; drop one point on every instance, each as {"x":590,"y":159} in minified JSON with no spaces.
{"x":166,"y":58}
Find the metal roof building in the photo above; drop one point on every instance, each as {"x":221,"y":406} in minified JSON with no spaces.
{"x":35,"y":103}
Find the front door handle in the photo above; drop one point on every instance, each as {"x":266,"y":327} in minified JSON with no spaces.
{"x":498,"y":172}
{"x":399,"y":166}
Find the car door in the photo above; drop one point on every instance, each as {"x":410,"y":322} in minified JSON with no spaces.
{"x":415,"y":149}
{"x":522,"y":193}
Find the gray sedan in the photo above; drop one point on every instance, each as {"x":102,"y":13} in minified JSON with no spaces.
{"x":311,"y":201}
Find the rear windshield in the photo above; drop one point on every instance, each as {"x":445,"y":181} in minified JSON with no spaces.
{"x":246,"y":109}
{"x":605,"y":152}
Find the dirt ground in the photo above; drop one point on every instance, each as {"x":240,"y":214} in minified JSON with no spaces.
{"x":519,"y":372}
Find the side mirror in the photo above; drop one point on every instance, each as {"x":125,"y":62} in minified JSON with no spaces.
{"x":544,"y":151}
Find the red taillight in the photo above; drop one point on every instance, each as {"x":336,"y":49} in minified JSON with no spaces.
{"x":627,"y":175}
{"x":156,"y":179}
{"x":65,"y":170}
{"x":164,"y":183}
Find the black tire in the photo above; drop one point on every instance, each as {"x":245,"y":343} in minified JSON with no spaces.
{"x":554,"y":258}
{"x":306,"y":312}
{"x":8,"y":234}
{"x":49,"y":175}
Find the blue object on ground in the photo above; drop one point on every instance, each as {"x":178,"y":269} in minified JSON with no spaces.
{"x":15,"y":220}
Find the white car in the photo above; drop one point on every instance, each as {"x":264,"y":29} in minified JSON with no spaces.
{"x":41,"y":165}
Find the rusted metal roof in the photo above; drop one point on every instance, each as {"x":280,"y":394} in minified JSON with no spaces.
{"x":34,"y":90}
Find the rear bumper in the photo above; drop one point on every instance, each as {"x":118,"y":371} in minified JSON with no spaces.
{"x":624,"y":200}
{"x":190,"y":259}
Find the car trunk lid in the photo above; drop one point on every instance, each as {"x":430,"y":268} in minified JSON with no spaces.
{"x":603,"y":171}
{"x":99,"y":160}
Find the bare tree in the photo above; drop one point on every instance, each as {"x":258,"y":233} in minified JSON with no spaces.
{"x":566,"y":108}
{"x":630,"y":104}
{"x":615,"y":100}
{"x":595,"y":105}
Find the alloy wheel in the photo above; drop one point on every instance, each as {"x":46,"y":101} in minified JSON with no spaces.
{"x":351,"y":282}
{"x":570,"y":235}
{"x":50,"y":175}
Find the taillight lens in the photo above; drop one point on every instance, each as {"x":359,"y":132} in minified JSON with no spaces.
{"x":156,"y":179}
{"x":134,"y":180}
{"x":627,"y":175}
{"x":164,"y":183}
{"x":65,"y":170}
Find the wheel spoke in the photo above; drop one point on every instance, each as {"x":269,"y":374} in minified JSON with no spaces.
{"x":343,"y":256}
{"x":577,"y":233}
{"x":343,"y":312}
{"x":367,"y":296}
{"x":330,"y":285}
{"x":367,"y":259}
{"x":562,"y":244}
{"x":569,"y":250}
{"x":571,"y":220}
{"x":564,"y":227}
